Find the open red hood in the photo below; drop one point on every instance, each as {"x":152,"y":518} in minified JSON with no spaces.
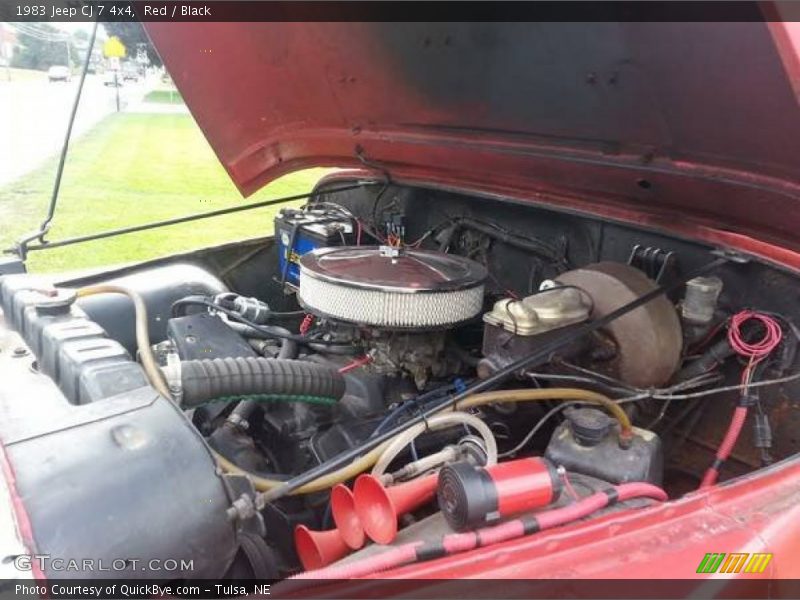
{"x":686,"y":121}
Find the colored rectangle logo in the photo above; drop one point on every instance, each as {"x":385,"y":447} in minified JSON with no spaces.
{"x":734,"y":562}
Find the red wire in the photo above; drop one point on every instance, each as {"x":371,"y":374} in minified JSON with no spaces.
{"x":755,"y":352}
{"x":456,"y":543}
{"x":306,"y":324}
{"x":359,"y":362}
{"x":568,"y":486}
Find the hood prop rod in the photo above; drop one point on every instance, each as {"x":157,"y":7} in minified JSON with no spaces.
{"x":22,"y":245}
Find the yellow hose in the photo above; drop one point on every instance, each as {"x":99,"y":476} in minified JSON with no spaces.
{"x":574,"y":394}
{"x":366,"y":461}
{"x":325,"y":482}
{"x":149,"y":362}
{"x":363,"y":463}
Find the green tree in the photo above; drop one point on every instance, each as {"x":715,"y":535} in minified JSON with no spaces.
{"x":133,"y":34}
{"x":40,"y":46}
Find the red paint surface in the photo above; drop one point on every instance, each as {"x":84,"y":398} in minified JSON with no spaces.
{"x":759,"y":513}
{"x":690,"y":129}
{"x":521,"y":485}
{"x":22,"y":519}
{"x":638,"y":122}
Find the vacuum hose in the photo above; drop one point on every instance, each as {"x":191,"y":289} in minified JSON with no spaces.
{"x":204,"y":380}
{"x":370,"y":457}
{"x":146,"y":355}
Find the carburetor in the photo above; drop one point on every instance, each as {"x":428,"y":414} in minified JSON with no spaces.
{"x":399,"y":302}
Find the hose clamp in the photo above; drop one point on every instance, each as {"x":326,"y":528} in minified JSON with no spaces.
{"x":173,"y":375}
{"x":473,"y":449}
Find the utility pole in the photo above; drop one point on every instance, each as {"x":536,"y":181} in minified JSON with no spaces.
{"x":115,"y":50}
{"x":4,"y":50}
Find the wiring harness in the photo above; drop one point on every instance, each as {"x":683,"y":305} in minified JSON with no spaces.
{"x":754,"y":352}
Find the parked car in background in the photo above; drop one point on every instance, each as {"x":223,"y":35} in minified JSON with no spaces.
{"x":131,"y":72}
{"x":59,"y":73}
{"x":558,"y":262}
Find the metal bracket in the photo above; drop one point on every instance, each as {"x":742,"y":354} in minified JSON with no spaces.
{"x":732,"y":255}
{"x":245,"y":510}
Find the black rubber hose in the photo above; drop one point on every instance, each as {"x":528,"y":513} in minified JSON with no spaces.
{"x":208,"y":379}
{"x":543,"y":351}
{"x":715,"y":355}
{"x":341,"y":350}
{"x":179,"y":307}
{"x":289,"y":350}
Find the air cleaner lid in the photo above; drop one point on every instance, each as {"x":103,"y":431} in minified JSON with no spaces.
{"x":392,"y":269}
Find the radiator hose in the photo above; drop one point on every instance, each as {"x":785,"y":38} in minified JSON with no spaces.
{"x":208,"y":379}
{"x":369,"y":457}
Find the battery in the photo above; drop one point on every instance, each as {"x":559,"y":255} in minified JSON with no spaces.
{"x":300,"y":231}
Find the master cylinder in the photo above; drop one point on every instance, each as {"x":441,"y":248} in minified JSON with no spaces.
{"x":515,"y":328}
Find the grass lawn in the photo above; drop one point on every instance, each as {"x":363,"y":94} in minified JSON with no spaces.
{"x":164,"y":97}
{"x":130,"y":169}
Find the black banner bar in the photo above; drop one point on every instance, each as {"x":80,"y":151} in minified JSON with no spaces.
{"x":456,"y":589}
{"x":398,"y":10}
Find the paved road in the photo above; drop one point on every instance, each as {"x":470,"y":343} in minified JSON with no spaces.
{"x":34,"y":115}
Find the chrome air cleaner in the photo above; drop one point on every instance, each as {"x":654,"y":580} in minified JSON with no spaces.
{"x":391,"y":287}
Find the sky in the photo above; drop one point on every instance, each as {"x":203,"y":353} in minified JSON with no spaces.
{"x":73,"y":27}
{"x":87,"y":27}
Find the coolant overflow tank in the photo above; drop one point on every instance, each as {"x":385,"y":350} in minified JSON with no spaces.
{"x":587,"y":443}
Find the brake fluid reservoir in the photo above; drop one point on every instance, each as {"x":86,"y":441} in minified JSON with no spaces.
{"x":515,"y":328}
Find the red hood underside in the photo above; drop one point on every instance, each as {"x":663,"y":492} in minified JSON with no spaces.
{"x":699,"y":120}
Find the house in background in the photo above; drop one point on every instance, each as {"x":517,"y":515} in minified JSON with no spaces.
{"x":8,"y":41}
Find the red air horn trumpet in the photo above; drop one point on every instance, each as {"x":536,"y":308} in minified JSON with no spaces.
{"x":379,"y":507}
{"x":343,"y":509}
{"x":317,"y":549}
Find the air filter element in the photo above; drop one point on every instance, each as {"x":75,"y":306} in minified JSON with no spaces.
{"x":391,"y":288}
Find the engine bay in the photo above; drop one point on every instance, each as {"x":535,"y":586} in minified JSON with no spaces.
{"x":397,"y":365}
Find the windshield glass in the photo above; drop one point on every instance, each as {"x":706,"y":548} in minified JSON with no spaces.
{"x":135,"y":155}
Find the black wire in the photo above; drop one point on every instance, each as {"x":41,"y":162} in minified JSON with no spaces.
{"x":567,"y":287}
{"x":287,"y":314}
{"x":329,"y":348}
{"x":544,"y":351}
{"x":511,"y":315}
{"x":534,"y":273}
{"x":529,"y":244}
{"x":378,"y":197}
{"x":300,"y":339}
